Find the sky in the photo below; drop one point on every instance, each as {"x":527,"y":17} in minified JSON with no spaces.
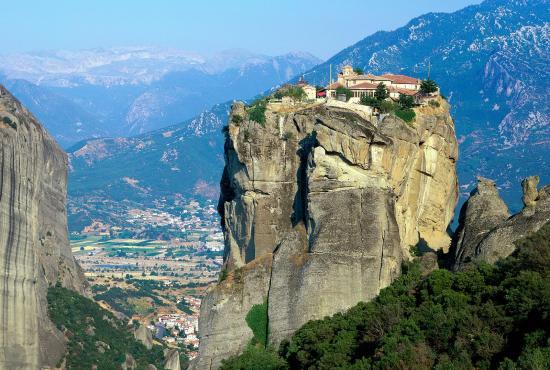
{"x":206,"y":26}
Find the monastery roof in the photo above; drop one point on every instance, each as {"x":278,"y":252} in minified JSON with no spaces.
{"x":364,"y":86}
{"x":400,"y":79}
{"x":334,"y":86}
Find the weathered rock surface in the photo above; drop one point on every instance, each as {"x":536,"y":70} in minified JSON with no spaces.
{"x":172,"y":359}
{"x":486,"y":230}
{"x":144,"y":336}
{"x":34,"y":247}
{"x":320,"y":206}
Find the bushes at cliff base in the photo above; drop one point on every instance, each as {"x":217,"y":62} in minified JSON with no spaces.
{"x":95,"y":337}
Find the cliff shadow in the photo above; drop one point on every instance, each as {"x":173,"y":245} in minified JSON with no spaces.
{"x":299,"y":207}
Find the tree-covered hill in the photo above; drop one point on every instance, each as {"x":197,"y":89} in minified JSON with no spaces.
{"x":96,"y":339}
{"x":485,"y":317}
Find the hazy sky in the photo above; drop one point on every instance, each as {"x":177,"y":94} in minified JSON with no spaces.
{"x":270,"y":27}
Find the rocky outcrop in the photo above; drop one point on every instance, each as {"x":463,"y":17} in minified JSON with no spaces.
{"x":319,"y":208}
{"x":144,"y":335}
{"x":486,"y":230}
{"x":34,"y":247}
{"x":172,"y":359}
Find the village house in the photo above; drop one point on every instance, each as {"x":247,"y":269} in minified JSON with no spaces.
{"x":365,"y":85}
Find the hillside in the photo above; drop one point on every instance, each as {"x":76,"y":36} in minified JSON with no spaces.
{"x":96,"y":338}
{"x":183,"y":160}
{"x":486,"y":317}
{"x":492,"y":62}
{"x":129,"y":91}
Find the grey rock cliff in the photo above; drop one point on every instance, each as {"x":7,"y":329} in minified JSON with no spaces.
{"x":172,"y":359}
{"x":34,"y":246}
{"x":486,"y":230}
{"x":319,"y":208}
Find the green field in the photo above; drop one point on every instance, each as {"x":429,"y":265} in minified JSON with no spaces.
{"x":92,"y":243}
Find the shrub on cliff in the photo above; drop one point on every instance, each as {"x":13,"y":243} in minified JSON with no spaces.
{"x":370,"y":101}
{"x":486,"y":317}
{"x":256,"y":111}
{"x":343,"y":91}
{"x":406,"y":101}
{"x":294,"y":92}
{"x":406,"y":115}
{"x":428,"y":86}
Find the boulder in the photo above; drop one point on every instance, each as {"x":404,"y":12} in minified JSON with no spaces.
{"x":487,"y":232}
{"x":171,"y":359}
{"x":144,"y":335}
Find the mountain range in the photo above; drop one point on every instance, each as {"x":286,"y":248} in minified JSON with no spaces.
{"x":129,"y":91}
{"x":491,"y":61}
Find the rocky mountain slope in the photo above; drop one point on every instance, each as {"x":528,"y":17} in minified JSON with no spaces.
{"x":128,"y":91}
{"x":320,"y":205}
{"x":491,"y":60}
{"x":34,"y":247}
{"x":185,"y":159}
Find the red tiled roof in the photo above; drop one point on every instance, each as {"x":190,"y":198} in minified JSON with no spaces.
{"x":407,"y":92}
{"x":402,"y":91}
{"x":401,"y":79}
{"x":364,"y":86}
{"x":334,"y":86}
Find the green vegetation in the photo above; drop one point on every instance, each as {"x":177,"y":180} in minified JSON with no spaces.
{"x":370,"y":101}
{"x":254,"y":357}
{"x":129,"y":301}
{"x":294,"y":92}
{"x":95,"y":336}
{"x":246,"y":135}
{"x":184,"y":306}
{"x":406,"y":115}
{"x":223,"y":274}
{"x":406,"y":101}
{"x":485,"y":317}
{"x":257,"y":321}
{"x":359,"y":71}
{"x":381,"y":92}
{"x":236,"y":119}
{"x":256,"y":110}
{"x":287,"y":135}
{"x":428,"y":86}
{"x":343,"y":91}
{"x":9,"y":122}
{"x":434,"y":103}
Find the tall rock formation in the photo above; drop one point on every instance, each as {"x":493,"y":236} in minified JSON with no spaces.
{"x":34,"y":247}
{"x":320,"y":206}
{"x":487,"y":232}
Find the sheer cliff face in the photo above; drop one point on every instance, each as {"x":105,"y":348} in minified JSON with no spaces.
{"x":319,"y":208}
{"x":34,"y":248}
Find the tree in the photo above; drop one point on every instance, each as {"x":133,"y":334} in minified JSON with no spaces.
{"x":381,"y":92}
{"x":428,"y":86}
{"x":370,"y":101}
{"x":343,"y":91}
{"x":406,"y":101}
{"x":359,"y":71}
